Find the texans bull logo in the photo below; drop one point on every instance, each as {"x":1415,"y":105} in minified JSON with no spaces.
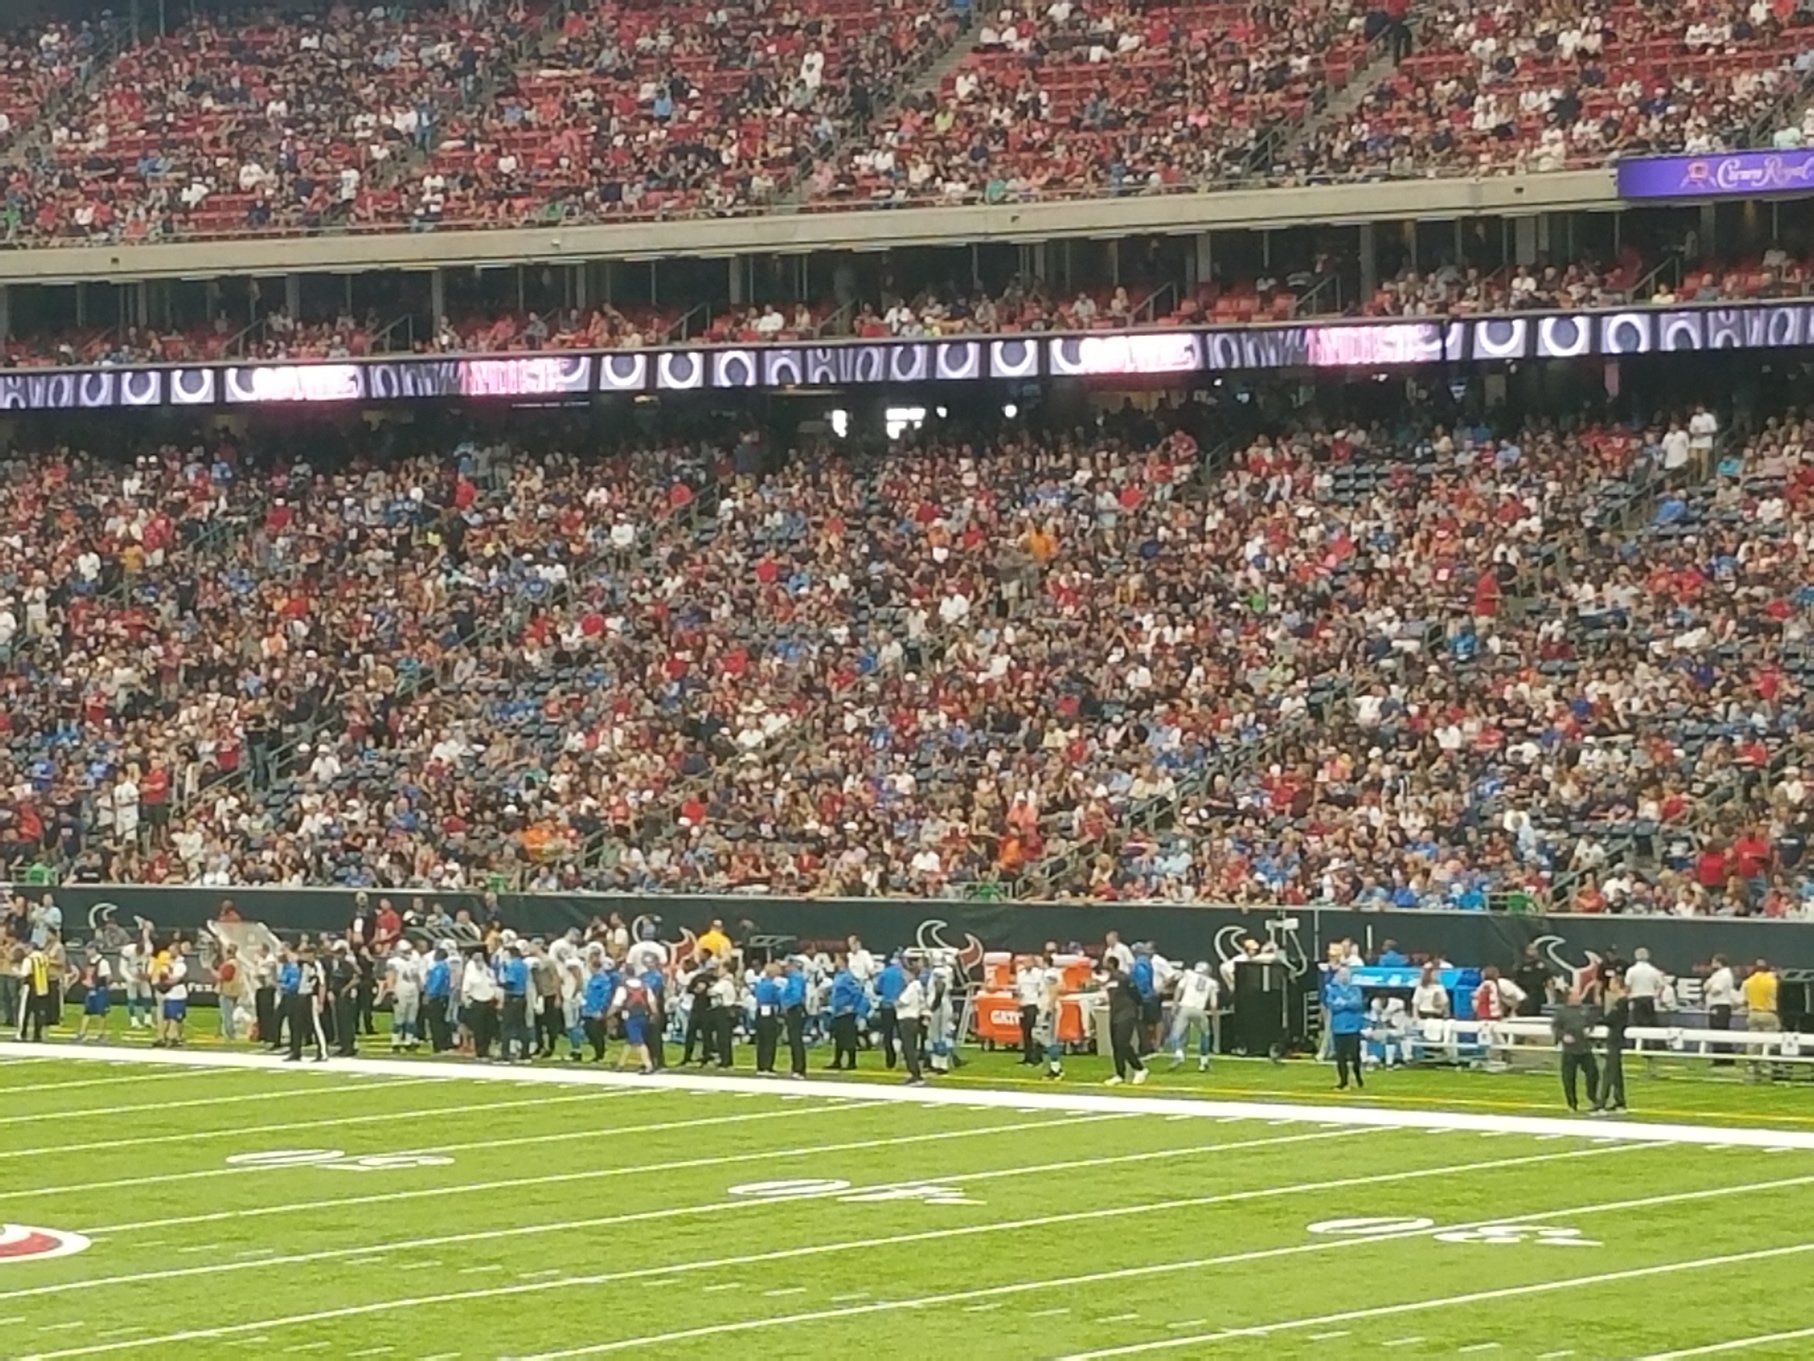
{"x":24,"y":1243}
{"x":683,"y":948}
{"x":967,"y":959}
{"x":1578,"y":975}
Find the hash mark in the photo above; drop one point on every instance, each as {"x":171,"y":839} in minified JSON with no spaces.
{"x":982,"y":1308}
{"x":373,"y":1351}
{"x":1119,"y":1318}
{"x":1328,"y":1337}
{"x":60,"y":1327}
{"x":541,"y":1275}
{"x":481,"y":1270}
{"x":738,"y":1285}
{"x":419,"y":1266}
{"x":663,"y":1280}
{"x":1048,"y":1313}
{"x":790,"y":1290}
{"x":846,"y":1299}
{"x":308,"y":1347}
{"x":1481,"y":1347}
{"x":1409,"y":1341}
{"x":1554,"y":1356}
{"x":1188,"y":1323}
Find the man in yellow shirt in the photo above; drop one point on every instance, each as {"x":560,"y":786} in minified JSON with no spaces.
{"x":1759,"y":990}
{"x":713,"y":945}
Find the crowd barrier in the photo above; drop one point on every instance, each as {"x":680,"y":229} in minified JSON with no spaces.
{"x":1458,"y":1041}
{"x":1183,"y":932}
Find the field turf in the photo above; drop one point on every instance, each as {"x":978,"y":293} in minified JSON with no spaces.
{"x":414,"y":1211}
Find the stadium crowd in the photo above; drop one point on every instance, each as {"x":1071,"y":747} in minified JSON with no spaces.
{"x":520,"y":112}
{"x":1407,"y":666}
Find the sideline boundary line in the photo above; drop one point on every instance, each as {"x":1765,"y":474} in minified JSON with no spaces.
{"x":1369,"y":1117}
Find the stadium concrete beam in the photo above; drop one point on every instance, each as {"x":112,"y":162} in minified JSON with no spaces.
{"x":795,"y":232}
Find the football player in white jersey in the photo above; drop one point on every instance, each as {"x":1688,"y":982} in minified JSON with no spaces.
{"x":571,"y":971}
{"x":403,"y":985}
{"x":1051,"y":1005}
{"x":1193,"y":998}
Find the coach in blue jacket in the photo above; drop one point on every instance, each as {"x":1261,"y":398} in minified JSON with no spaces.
{"x":890,"y":984}
{"x":793,"y":1015}
{"x":846,"y":1003}
{"x":1347,"y":1017}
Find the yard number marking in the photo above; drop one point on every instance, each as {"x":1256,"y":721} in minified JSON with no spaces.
{"x":810,"y":1186}
{"x":333,"y":1159}
{"x":1537,"y":1235}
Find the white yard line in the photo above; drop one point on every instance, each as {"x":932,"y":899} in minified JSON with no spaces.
{"x":305,"y":1093}
{"x":669,"y":1270}
{"x":627,"y":1170}
{"x":531,"y":1230}
{"x":231,"y":1131}
{"x":33,"y":1088}
{"x":1477,"y":1297}
{"x":1737,"y":1344}
{"x":1367,"y":1117}
{"x":1164,"y":1268}
{"x":565,"y":1136}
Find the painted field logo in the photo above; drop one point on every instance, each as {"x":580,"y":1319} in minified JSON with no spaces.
{"x":23,"y":1243}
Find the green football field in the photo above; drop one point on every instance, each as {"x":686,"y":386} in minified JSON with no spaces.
{"x":435,"y":1210}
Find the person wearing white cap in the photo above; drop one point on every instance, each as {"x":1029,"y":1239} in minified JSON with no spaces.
{"x":1193,"y":1000}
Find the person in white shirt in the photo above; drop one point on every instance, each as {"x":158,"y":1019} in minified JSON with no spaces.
{"x":1029,"y":988}
{"x":1192,"y":1001}
{"x":1112,"y":948}
{"x":1676,"y":452}
{"x":1644,"y":985}
{"x":862,"y":963}
{"x":1495,"y":1000}
{"x":175,"y":987}
{"x":479,"y":993}
{"x":133,"y":972}
{"x":1429,"y":999}
{"x":1703,"y":428}
{"x":403,"y":985}
{"x":1721,"y":997}
{"x":910,"y":1017}
{"x":722,"y":996}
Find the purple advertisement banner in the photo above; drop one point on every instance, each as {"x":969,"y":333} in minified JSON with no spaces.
{"x":1731,"y":174}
